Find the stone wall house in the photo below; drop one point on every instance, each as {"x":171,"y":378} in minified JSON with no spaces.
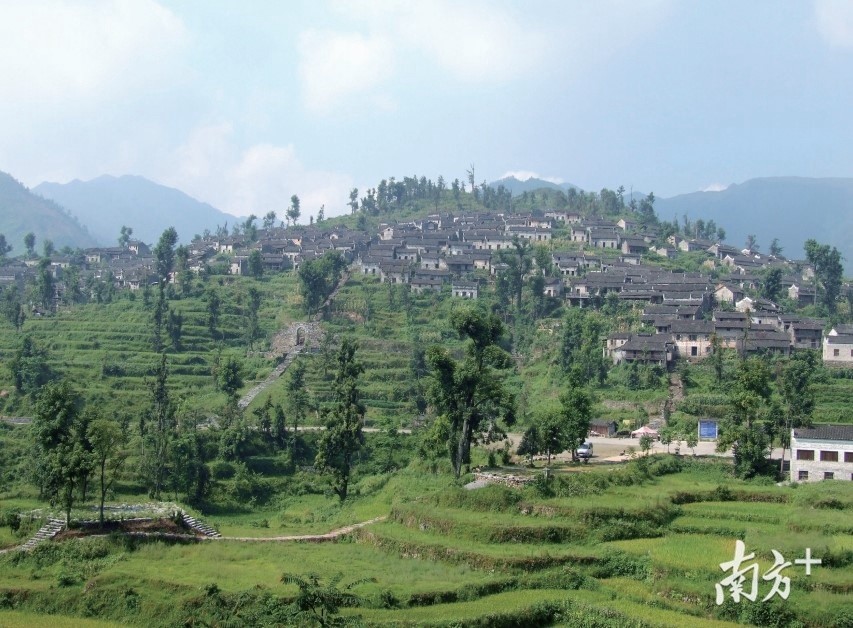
{"x":692,"y":338}
{"x":823,"y":452}
{"x":465,"y":290}
{"x":838,"y":350}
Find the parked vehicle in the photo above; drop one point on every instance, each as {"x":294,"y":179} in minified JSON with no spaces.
{"x":585,"y":451}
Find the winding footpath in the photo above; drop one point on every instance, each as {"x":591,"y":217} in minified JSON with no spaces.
{"x":209,"y":534}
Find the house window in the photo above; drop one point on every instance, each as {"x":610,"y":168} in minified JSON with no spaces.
{"x":694,"y":351}
{"x":848,"y":456}
{"x":835,"y":353}
{"x":805,"y":454}
{"x":803,"y":475}
{"x":829,"y":456}
{"x":828,"y":475}
{"x":692,"y":337}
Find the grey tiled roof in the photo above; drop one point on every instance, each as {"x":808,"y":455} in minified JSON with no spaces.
{"x":826,"y":432}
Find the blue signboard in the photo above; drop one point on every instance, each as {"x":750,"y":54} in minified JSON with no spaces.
{"x":708,"y":430}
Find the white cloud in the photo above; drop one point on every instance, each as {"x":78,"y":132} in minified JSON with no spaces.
{"x":834,"y":20}
{"x":334,"y":66}
{"x":52,"y":49}
{"x":478,"y":41}
{"x":524,"y":175}
{"x":474,"y":41}
{"x":716,"y":187}
{"x":263,"y":177}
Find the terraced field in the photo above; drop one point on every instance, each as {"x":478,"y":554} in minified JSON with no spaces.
{"x":635,"y":545}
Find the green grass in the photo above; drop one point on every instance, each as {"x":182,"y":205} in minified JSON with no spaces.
{"x":21,"y":619}
{"x":681,"y":551}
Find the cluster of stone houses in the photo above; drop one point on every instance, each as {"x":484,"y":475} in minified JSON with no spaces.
{"x":684,"y":332}
{"x":607,"y":260}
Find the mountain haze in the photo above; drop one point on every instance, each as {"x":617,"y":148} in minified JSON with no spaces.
{"x":106,"y":203}
{"x":22,"y":212}
{"x":518,"y":186}
{"x":792,"y":209}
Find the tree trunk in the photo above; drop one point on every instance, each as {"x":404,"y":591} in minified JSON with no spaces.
{"x":103,"y":490}
{"x":463,"y":450}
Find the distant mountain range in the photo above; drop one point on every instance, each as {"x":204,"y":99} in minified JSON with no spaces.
{"x":106,"y":203}
{"x":792,"y":209}
{"x":22,"y":212}
{"x":520,"y":186}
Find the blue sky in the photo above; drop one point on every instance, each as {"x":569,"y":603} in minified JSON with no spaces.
{"x":243,"y":104}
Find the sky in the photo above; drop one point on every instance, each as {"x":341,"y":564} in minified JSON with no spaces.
{"x":243,"y":104}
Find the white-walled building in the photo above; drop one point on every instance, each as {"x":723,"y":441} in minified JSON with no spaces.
{"x":823,"y":452}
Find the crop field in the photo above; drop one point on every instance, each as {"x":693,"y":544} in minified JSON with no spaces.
{"x":637,"y":544}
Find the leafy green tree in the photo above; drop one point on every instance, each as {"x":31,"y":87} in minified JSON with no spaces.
{"x":353,"y":201}
{"x":297,"y":394}
{"x":745,"y":429}
{"x":252,"y":328}
{"x":264,"y":416}
{"x":551,"y":429}
{"x":5,"y":247}
{"x":230,"y":379}
{"x":646,"y":442}
{"x":269,"y":220}
{"x":775,"y":248}
{"x":318,"y":277}
{"x":47,"y":248}
{"x":771,"y":287}
{"x":59,"y":438}
{"x":667,"y":435}
{"x":164,"y":254}
{"x":13,"y":307}
{"x":751,"y":242}
{"x":250,"y":229}
{"x":717,"y":359}
{"x":692,"y":440}
{"x":30,"y":244}
{"x":828,"y":272}
{"x":44,"y":284}
{"x":107,"y":441}
{"x":471,"y":392}
{"x":174,"y":328}
{"x":798,"y":394}
{"x":576,"y":413}
{"x":158,"y":439}
{"x":580,"y":346}
{"x":29,"y":367}
{"x":293,"y":211}
{"x":531,"y":443}
{"x":343,"y":438}
{"x":124,"y":236}
{"x":256,"y":264}
{"x":190,"y":474}
{"x":319,"y":604}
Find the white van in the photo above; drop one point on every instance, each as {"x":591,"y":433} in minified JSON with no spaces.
{"x":585,"y":450}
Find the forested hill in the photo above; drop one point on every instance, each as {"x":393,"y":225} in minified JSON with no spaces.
{"x":22,"y":212}
{"x":792,"y":209}
{"x":107,"y":203}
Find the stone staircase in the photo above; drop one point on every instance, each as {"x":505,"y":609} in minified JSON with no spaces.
{"x":199,"y":526}
{"x":47,"y":532}
{"x":273,"y":376}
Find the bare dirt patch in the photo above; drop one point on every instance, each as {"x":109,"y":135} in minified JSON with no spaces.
{"x":145,"y":526}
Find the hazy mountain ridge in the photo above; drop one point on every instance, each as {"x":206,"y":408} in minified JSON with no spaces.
{"x":107,"y":203}
{"x":792,"y":209}
{"x":518,"y":186}
{"x":22,"y":212}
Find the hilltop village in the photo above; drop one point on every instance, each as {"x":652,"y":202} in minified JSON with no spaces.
{"x":589,"y":261}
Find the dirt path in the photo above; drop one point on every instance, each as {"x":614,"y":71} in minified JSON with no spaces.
{"x":311,"y":538}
